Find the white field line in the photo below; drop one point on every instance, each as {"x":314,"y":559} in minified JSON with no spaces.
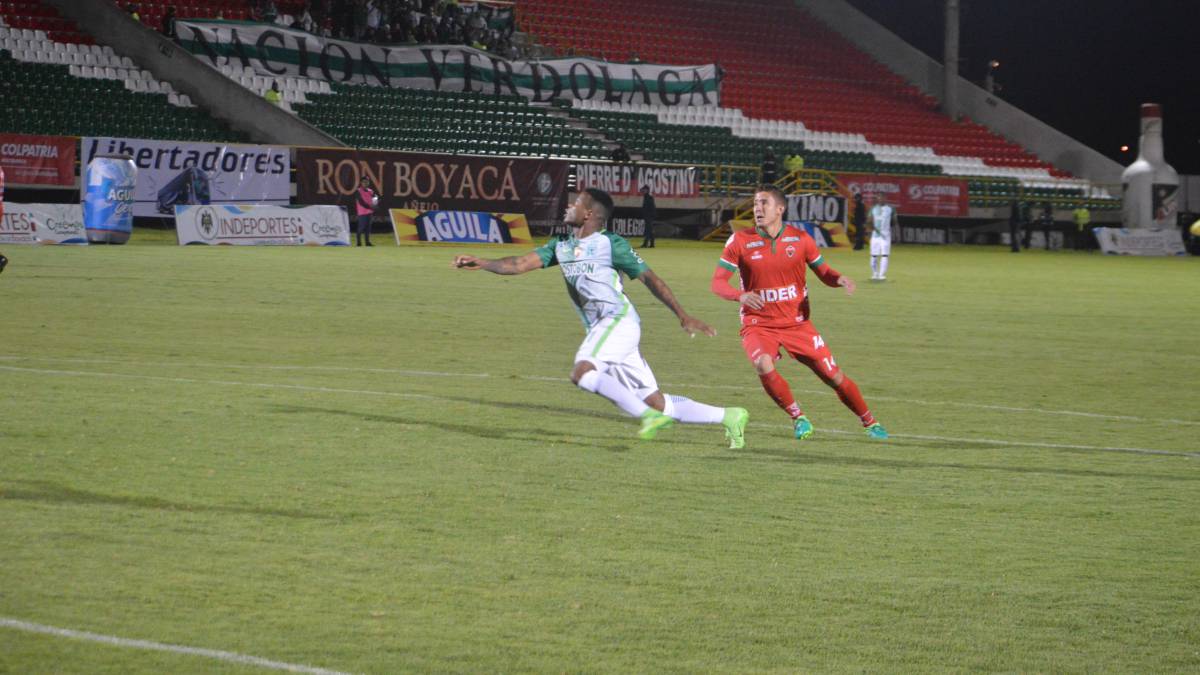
{"x":229,"y":657}
{"x":370,"y":392}
{"x":540,"y":378}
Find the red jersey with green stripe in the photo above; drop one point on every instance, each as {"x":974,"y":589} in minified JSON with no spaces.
{"x":775,"y":269}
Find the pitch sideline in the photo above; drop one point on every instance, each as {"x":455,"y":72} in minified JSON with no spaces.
{"x":114,"y":641}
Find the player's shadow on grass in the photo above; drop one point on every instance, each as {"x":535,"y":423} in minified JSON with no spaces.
{"x":489,"y":432}
{"x":799,"y":456}
{"x":54,"y":493}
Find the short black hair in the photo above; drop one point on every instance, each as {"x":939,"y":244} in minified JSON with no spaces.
{"x":774,"y":191}
{"x":602,"y":199}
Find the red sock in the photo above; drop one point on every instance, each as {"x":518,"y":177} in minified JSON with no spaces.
{"x":778,"y":389}
{"x":852,"y":397}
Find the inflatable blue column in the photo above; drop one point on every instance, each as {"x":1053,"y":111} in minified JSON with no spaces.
{"x":108,"y":184}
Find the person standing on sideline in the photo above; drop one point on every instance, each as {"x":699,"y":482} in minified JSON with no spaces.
{"x":883,"y":216}
{"x":859,"y":219}
{"x":649,"y":216}
{"x":1083,"y":219}
{"x":365,"y":201}
{"x":1014,"y":226}
{"x":609,"y":361}
{"x":1047,"y":222}
{"x":1026,"y":225}
{"x":772,"y":258}
{"x":3,"y":260}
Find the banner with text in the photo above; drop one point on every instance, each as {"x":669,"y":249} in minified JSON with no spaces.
{"x":1140,"y":241}
{"x":37,"y":160}
{"x":535,"y":188}
{"x":42,"y":224}
{"x":911,"y":195}
{"x":460,"y":227}
{"x":624,"y":180}
{"x":174,"y":173}
{"x":258,"y":225}
{"x":273,"y":51}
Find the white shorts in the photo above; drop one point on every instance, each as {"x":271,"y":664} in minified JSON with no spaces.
{"x":880,"y":247}
{"x":612,"y":347}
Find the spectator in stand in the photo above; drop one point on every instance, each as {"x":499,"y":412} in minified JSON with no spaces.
{"x":168,"y":23}
{"x":427,"y":32}
{"x":620,"y":154}
{"x":359,"y":19}
{"x":306,"y":22}
{"x":374,"y":20}
{"x":273,"y":95}
{"x":365,"y":201}
{"x":649,"y":217}
{"x":859,"y":219}
{"x":770,"y":171}
{"x":793,"y":163}
{"x":133,"y":13}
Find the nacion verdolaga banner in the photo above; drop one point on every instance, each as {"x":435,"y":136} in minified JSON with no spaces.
{"x":462,"y":227}
{"x":177,"y":173}
{"x":42,"y":224}
{"x":257,"y":225}
{"x":37,"y":160}
{"x":424,"y":182}
{"x":274,"y":50}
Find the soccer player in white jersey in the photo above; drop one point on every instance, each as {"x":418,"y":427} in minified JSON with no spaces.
{"x":883,"y":216}
{"x":609,"y":362}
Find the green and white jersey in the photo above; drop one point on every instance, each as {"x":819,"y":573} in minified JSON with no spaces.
{"x":591,"y":267}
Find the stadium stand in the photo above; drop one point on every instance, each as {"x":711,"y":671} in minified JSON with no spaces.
{"x":810,"y":87}
{"x":453,"y":122}
{"x":47,"y":64}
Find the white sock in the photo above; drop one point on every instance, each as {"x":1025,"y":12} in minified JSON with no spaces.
{"x":692,"y":412}
{"x":874,"y":266}
{"x":610,"y":388}
{"x":883,"y":262}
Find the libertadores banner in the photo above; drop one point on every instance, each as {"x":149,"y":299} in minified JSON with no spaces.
{"x":625,"y":180}
{"x":535,"y":188}
{"x":42,"y":224}
{"x":913,"y":195}
{"x":274,"y":51}
{"x":460,"y":227}
{"x":171,"y":173}
{"x":258,"y":225}
{"x":29,"y":159}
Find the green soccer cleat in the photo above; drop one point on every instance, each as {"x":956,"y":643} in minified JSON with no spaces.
{"x":877,"y":432}
{"x":735,"y":427}
{"x":804,"y":428}
{"x":652,"y":421}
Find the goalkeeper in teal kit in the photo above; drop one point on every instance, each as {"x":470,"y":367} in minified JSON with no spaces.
{"x":609,"y":361}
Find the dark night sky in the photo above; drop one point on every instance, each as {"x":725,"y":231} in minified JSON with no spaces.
{"x":1081,"y":66}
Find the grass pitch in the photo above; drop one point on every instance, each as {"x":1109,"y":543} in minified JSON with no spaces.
{"x":366,"y":461}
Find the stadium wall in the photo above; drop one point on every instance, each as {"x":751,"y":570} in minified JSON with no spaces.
{"x":1048,"y":143}
{"x":224,"y":98}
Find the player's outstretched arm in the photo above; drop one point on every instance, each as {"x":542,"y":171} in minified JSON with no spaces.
{"x":663,"y":292}
{"x":720,"y":286}
{"x":514,"y":264}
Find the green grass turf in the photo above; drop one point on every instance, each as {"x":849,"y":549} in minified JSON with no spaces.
{"x":367,"y":461}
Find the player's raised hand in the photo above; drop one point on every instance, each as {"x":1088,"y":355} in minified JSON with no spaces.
{"x":468,"y":262}
{"x":848,"y":284}
{"x":752,"y":300}
{"x":693,"y":325}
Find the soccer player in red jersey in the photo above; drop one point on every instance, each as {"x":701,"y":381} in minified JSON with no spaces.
{"x":771,"y":259}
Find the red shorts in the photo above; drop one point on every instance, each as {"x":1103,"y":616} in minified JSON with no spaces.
{"x":802,"y":341}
